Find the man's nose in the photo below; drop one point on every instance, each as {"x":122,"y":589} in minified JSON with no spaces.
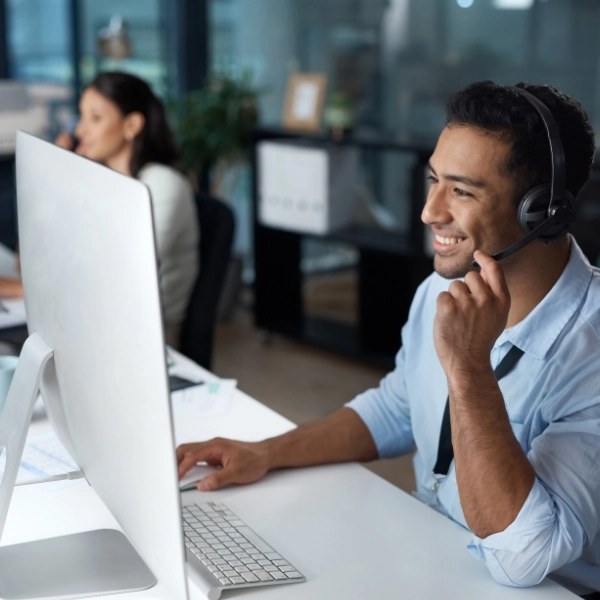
{"x":436,"y":207}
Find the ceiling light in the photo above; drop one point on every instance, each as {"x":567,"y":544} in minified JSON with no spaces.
{"x":514,"y":4}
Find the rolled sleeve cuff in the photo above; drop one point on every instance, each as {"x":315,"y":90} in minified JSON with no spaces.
{"x":391,"y":435}
{"x":526,"y":538}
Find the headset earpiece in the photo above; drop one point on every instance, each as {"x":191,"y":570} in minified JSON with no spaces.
{"x":534,"y":209}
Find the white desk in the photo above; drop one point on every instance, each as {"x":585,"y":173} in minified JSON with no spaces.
{"x":352,"y":534}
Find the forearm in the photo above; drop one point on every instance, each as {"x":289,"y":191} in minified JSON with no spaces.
{"x":340,"y":437}
{"x":493,"y":474}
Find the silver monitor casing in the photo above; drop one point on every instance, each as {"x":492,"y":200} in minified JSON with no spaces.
{"x":89,"y":273}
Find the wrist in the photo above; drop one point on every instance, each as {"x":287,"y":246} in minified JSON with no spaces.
{"x":269,"y":453}
{"x":467,"y":374}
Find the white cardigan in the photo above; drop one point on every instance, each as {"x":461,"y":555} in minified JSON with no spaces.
{"x":177,"y":236}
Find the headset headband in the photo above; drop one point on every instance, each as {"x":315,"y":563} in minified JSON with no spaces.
{"x":558,"y":188}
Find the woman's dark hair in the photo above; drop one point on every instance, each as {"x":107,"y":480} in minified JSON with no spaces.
{"x":155,"y":143}
{"x":500,"y":110}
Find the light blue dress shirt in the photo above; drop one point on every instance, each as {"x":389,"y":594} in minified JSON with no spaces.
{"x":553,"y":401}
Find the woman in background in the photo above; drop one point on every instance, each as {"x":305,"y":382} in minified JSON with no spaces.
{"x":123,"y":126}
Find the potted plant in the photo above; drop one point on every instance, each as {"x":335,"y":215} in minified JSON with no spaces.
{"x":212,"y":126}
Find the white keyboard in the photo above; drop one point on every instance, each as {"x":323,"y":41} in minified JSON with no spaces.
{"x":227,"y":554}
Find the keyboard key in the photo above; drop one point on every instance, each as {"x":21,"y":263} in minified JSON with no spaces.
{"x":293,"y":575}
{"x":213,"y":568}
{"x":278,"y":575}
{"x":271,"y":567}
{"x":224,"y":581}
{"x":272,"y":556}
{"x":230,"y":573}
{"x":236,"y":523}
{"x":287,"y":569}
{"x":253,"y":566}
{"x":235,"y":563}
{"x":250,"y":578}
{"x":247,"y":560}
{"x":242,"y":569}
{"x":263,"y":575}
{"x":237,"y":579}
{"x":264,"y":561}
{"x":280,"y":562}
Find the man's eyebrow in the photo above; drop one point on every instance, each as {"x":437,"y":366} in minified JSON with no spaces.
{"x":459,"y":178}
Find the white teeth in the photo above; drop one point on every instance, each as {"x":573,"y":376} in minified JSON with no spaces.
{"x":448,"y":241}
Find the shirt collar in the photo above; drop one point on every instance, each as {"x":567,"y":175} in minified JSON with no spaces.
{"x":539,"y":330}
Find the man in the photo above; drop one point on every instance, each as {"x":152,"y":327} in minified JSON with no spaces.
{"x":525,"y":477}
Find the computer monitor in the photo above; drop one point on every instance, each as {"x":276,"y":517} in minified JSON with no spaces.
{"x":96,"y":341}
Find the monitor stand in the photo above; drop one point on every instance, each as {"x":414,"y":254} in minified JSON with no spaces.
{"x":71,"y":566}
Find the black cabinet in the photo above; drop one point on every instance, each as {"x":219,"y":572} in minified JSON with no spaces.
{"x":390,"y":265}
{"x":8,"y":204}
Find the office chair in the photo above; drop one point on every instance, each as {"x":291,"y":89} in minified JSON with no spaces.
{"x":217,"y":225}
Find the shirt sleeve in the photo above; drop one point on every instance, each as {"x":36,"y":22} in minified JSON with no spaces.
{"x":386,"y":413}
{"x":561,"y":514}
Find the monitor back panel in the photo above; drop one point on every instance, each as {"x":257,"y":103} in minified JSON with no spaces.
{"x":91,"y":292}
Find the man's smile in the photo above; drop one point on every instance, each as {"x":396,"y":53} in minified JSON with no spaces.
{"x":444,"y":244}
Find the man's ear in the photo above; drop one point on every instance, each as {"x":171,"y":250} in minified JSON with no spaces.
{"x":134,"y":124}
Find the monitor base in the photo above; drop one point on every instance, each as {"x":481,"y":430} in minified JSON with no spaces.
{"x":73,"y":566}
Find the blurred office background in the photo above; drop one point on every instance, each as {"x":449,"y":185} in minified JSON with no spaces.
{"x":394,"y":61}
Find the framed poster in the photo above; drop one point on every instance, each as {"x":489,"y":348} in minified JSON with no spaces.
{"x":304,"y":101}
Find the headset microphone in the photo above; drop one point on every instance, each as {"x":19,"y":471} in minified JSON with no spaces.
{"x":547,"y":210}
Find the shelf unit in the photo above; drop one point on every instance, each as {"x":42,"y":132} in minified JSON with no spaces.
{"x":390,"y":266}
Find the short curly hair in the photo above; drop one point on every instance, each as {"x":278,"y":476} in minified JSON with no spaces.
{"x":488,"y":106}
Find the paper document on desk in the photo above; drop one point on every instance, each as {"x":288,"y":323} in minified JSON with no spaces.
{"x":212,"y":398}
{"x":12,"y":312}
{"x":43,"y":456}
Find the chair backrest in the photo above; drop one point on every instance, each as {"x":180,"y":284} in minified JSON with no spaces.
{"x":217,"y":226}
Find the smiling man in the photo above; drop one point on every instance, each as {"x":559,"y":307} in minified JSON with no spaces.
{"x":497,"y":382}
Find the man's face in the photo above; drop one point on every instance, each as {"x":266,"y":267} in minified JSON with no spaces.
{"x":470,"y":205}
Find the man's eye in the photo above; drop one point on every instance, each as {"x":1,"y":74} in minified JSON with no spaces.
{"x":460,"y":192}
{"x":431,"y":178}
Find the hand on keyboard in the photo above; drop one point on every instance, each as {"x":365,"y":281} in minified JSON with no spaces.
{"x":242,"y":462}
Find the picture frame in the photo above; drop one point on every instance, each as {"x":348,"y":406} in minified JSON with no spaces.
{"x":304,"y":99}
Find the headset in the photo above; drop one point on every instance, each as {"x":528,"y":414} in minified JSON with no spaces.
{"x":546,"y":211}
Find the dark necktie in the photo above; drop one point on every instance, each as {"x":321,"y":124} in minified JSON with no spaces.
{"x":445,"y":449}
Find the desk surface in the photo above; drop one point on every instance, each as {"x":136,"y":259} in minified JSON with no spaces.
{"x":351,"y":533}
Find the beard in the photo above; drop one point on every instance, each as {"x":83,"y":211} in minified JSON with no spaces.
{"x":453,"y":267}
